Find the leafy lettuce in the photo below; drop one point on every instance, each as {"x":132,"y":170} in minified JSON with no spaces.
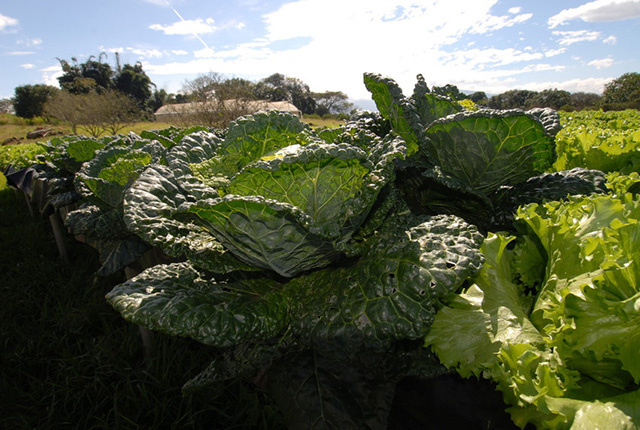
{"x":554,"y":315}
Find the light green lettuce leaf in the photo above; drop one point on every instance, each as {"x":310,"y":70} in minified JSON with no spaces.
{"x":470,"y":331}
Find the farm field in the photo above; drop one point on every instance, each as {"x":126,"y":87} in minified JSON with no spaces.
{"x":75,"y":360}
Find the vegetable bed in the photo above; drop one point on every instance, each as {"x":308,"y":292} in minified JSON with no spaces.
{"x":420,"y":258}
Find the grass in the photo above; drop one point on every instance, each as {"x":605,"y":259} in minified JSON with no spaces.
{"x":69,"y":361}
{"x":13,"y":126}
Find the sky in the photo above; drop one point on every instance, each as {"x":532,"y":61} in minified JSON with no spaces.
{"x":477,"y":45}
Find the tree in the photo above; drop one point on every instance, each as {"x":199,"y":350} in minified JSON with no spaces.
{"x":160,"y":98}
{"x":6,"y":106}
{"x":331,"y":102}
{"x":215,"y":100}
{"x":96,"y":113}
{"x":626,"y":88}
{"x":235,"y":88}
{"x":134,"y":82}
{"x":86,"y":77}
{"x":582,"y":100}
{"x":479,"y":97}
{"x":67,"y":107}
{"x":512,"y":99}
{"x":554,"y":99}
{"x":278,"y":87}
{"x":29,"y":100}
{"x":99,"y":77}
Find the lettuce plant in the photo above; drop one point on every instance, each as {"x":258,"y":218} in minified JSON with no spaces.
{"x":553,"y":315}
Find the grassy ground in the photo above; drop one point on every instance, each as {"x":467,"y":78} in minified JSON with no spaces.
{"x":69,"y":361}
{"x":12,"y":126}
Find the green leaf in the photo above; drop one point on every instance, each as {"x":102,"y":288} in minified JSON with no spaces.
{"x":152,"y":211}
{"x":488,"y":149}
{"x":266,"y":233}
{"x":187,"y":158}
{"x":170,"y":136}
{"x":324,"y":181}
{"x":112,"y":170}
{"x":430,"y":106}
{"x":395,"y":108}
{"x":96,"y":222}
{"x":84,"y":149}
{"x":251,"y":137}
{"x":179,"y":300}
{"x":391,"y":292}
{"x":469,"y":332}
{"x":115,"y":255}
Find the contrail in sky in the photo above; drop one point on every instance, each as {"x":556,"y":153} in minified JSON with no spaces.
{"x":184,"y":20}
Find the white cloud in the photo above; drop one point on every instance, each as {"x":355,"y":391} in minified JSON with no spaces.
{"x":554,"y":52}
{"x":187,"y":27}
{"x":30,"y":42}
{"x":144,"y":53}
{"x":589,"y":85}
{"x":27,"y":66}
{"x":204,"y":53}
{"x":571,"y":37}
{"x":515,"y":10}
{"x":397,"y":38}
{"x":51,"y":74}
{"x":6,"y":21}
{"x":602,"y":63}
{"x":497,"y":22}
{"x":598,"y":11}
{"x":21,"y":52}
{"x":611,"y":40}
{"x":483,"y":58}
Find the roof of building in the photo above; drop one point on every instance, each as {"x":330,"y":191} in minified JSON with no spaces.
{"x":251,"y":105}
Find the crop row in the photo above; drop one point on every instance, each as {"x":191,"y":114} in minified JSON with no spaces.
{"x":332,"y":263}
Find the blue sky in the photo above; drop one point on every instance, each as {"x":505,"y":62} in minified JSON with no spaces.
{"x":478,"y":45}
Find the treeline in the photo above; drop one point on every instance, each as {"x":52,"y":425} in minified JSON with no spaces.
{"x":619,"y":94}
{"x":101,"y":97}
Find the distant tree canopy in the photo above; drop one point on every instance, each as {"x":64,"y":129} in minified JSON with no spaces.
{"x":278,"y":87}
{"x":331,"y":102}
{"x":552,"y":98}
{"x":29,"y":100}
{"x":624,"y":91}
{"x":97,"y":76}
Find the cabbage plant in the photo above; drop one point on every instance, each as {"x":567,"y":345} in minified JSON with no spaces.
{"x":480,"y":165}
{"x":300,"y":258}
{"x":101,"y":182}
